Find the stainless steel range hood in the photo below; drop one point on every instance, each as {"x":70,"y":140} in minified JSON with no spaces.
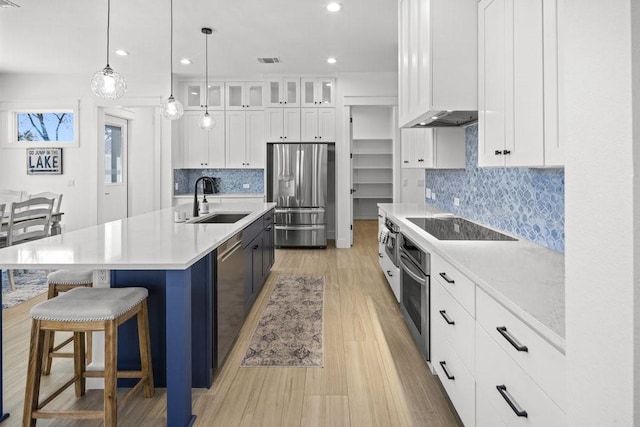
{"x":447,"y":119}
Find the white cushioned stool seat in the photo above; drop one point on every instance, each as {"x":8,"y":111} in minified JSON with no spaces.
{"x":70,"y":277}
{"x":89,"y":304}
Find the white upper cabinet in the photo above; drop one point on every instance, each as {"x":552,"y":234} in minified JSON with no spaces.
{"x":194,"y":95}
{"x":437,"y":148}
{"x":244,"y":96}
{"x":283,"y":92}
{"x":518,"y":83}
{"x":318,"y":124}
{"x":245,"y":146}
{"x":437,"y":58}
{"x":318,"y":92}
{"x":202,"y":149}
{"x":282,"y":124}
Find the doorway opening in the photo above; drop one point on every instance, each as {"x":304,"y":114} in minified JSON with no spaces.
{"x":373,"y":132}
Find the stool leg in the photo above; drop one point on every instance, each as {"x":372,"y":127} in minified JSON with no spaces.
{"x":145,"y":350}
{"x":89,"y":351}
{"x":110,"y":373}
{"x":32,"y":389}
{"x":79,"y":363}
{"x":49,"y":337}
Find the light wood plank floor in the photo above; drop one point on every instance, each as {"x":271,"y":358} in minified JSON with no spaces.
{"x":373,"y":373}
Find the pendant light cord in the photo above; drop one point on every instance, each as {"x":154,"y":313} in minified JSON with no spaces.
{"x":108,"y":27}
{"x":171,"y":51}
{"x":206,"y":73}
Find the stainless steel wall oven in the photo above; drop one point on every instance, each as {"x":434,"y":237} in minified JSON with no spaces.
{"x":415,"y":292}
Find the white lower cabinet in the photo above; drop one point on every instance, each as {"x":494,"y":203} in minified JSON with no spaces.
{"x":515,"y":397}
{"x":452,"y":323}
{"x":457,"y":381}
{"x":497,"y":371}
{"x":544,"y":363}
{"x":453,"y":336}
{"x":392,"y":273}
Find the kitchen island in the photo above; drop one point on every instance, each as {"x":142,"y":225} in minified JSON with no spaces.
{"x":173,"y":260}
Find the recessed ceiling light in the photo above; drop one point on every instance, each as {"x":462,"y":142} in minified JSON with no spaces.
{"x":333,"y":7}
{"x":185,"y":61}
{"x":122,"y":52}
{"x":434,"y":117}
{"x":422,"y":124}
{"x":332,"y":60}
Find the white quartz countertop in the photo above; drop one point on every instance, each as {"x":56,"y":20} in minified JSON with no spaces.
{"x":151,"y":241}
{"x":524,"y":277}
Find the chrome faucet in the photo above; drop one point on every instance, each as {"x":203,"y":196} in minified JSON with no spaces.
{"x":195,"y":193}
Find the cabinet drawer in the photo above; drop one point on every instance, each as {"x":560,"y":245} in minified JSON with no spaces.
{"x":457,"y":380}
{"x":544,"y":363}
{"x":392,"y":274}
{"x":500,"y":379}
{"x":457,"y":284}
{"x":252,"y":231}
{"x":268,"y":219}
{"x":451,"y":323}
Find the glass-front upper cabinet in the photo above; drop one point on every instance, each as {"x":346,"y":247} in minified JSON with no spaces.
{"x":318,"y":92}
{"x":283,"y":92}
{"x":194,"y":96}
{"x":244,"y":96}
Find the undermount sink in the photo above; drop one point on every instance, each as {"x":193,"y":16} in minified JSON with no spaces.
{"x":222,"y":218}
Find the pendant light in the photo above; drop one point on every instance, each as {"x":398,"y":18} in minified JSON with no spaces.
{"x":206,"y":122}
{"x":106,"y":83}
{"x":171,"y":108}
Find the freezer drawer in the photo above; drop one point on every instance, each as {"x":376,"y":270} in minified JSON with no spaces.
{"x":301,"y":236}
{"x":300,"y":216}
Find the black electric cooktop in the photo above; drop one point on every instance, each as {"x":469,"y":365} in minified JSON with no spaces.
{"x":454,"y":228}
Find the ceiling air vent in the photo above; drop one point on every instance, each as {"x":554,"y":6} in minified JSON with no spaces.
{"x":261,"y":60}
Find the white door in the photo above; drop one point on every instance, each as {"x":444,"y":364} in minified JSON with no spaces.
{"x":115,"y":169}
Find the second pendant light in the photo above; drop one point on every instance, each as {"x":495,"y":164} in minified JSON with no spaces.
{"x":206,"y":122}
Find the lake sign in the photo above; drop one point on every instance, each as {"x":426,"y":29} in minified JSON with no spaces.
{"x":44,"y":161}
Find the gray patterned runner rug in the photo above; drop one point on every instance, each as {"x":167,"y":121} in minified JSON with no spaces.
{"x":289,"y":332}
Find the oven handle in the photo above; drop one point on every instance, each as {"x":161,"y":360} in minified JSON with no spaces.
{"x":408,"y":267}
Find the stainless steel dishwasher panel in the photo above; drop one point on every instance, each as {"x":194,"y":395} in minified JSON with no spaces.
{"x":228,"y":298}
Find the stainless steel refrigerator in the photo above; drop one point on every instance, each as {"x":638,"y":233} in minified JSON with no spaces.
{"x":297,"y":182}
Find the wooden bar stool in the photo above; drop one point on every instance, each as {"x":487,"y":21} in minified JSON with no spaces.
{"x":81,"y":310}
{"x":63,"y":281}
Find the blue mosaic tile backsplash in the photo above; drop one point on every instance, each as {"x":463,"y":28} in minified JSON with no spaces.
{"x":231,"y":180}
{"x":526,"y":202}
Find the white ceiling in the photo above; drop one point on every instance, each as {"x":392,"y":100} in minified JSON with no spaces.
{"x":69,"y":36}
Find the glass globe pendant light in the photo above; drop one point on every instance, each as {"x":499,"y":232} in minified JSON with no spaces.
{"x":106,"y":83}
{"x":171,"y":108}
{"x":206,"y":122}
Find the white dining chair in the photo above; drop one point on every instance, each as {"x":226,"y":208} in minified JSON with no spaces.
{"x":10,"y":196}
{"x":28,"y":220}
{"x":57,"y":199}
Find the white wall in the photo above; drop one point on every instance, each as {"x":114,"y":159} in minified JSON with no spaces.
{"x":353,"y":84}
{"x":602,"y":234}
{"x":79,"y":181}
{"x":412,"y":186}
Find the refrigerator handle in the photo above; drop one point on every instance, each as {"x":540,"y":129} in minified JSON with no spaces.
{"x":298,"y":174}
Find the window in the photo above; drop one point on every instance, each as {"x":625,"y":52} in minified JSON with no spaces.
{"x":29,"y":126}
